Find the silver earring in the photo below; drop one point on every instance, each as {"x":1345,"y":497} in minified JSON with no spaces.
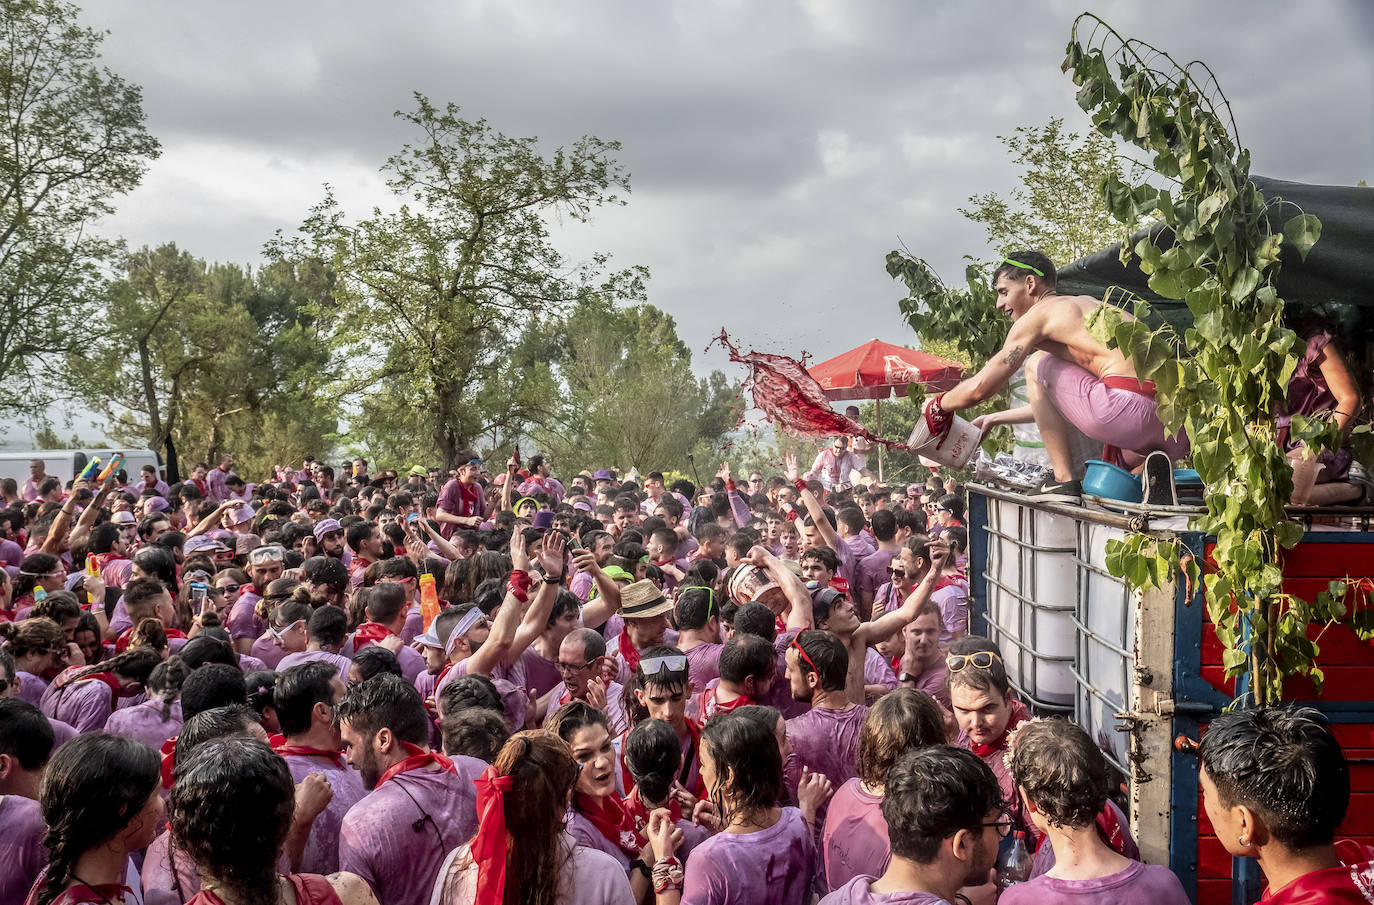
{"x":1244,"y":841}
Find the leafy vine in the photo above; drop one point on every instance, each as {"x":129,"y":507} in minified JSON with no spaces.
{"x":1223,"y":379}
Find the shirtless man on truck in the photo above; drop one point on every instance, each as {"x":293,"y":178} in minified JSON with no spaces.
{"x":1072,"y":378}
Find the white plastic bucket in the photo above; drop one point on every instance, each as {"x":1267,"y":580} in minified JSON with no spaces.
{"x":954,"y":449}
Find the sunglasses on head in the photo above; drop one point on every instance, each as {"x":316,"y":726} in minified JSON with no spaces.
{"x":979,"y":660}
{"x":652,"y":666}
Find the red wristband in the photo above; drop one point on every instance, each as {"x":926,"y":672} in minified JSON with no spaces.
{"x":800,"y":485}
{"x":729,"y":486}
{"x":519,"y":585}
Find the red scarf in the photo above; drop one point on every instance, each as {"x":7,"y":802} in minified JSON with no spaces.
{"x":418,"y":758}
{"x":628,"y":654}
{"x":613,"y":820}
{"x":74,"y":895}
{"x":1345,"y":884}
{"x":709,"y":706}
{"x":122,"y":642}
{"x":104,"y":559}
{"x":280,"y":746}
{"x":639,"y":811}
{"x":168,"y":752}
{"x":107,"y":677}
{"x":369,"y":633}
{"x":1018,"y":713}
{"x":488,"y":847}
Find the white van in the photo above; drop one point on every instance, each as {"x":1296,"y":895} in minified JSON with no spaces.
{"x":66,"y":464}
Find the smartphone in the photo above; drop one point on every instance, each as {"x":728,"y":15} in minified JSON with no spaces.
{"x":199,"y":594}
{"x":574,"y":543}
{"x":516,"y":455}
{"x":413,"y":518}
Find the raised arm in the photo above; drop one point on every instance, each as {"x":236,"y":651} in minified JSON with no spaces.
{"x":57,"y":534}
{"x":210,"y":520}
{"x":888,"y":623}
{"x":498,"y":642}
{"x":446,"y":548}
{"x":596,"y":611}
{"x":553,"y":563}
{"x":738,"y":507}
{"x":813,"y":506}
{"x":92,"y":512}
{"x":1025,"y":334}
{"x":507,"y":489}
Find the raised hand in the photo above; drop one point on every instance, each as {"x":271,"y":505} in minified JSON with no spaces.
{"x":519,"y":558}
{"x":789,"y":464}
{"x":551,"y":554}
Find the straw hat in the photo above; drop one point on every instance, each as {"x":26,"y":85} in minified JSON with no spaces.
{"x":642,"y":600}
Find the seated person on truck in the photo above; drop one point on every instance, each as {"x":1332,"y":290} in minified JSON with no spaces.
{"x":1072,"y":379}
{"x":1322,"y":383}
{"x":1276,"y":785}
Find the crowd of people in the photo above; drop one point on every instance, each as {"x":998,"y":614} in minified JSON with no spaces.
{"x":330,"y":686}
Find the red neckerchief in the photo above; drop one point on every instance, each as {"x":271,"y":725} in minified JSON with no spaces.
{"x":168,"y":752}
{"x":1347,"y":883}
{"x":628,"y":654}
{"x":1017,"y":715}
{"x":840,"y":585}
{"x":74,"y":895}
{"x":106,"y":677}
{"x":443,"y":672}
{"x":1109,"y":828}
{"x":613,"y":820}
{"x":369,"y":633}
{"x":104,"y":559}
{"x":897,"y":664}
{"x":280,"y":746}
{"x":251,"y":589}
{"x":418,"y":758}
{"x":710,"y":706}
{"x":469,"y":501}
{"x":639,"y":811}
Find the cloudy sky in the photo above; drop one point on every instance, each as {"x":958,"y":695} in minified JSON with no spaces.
{"x":778,"y":150}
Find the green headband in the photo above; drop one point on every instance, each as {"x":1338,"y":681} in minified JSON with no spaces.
{"x":1034,"y":270}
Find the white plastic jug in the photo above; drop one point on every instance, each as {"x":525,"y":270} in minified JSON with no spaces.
{"x":954,"y":449}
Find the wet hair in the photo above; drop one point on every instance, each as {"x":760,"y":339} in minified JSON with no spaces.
{"x":931,"y":794}
{"x":467,"y":692}
{"x":262,"y":688}
{"x":374,"y":660}
{"x":992,"y":680}
{"x":159,"y":563}
{"x":136,"y":664}
{"x":828,"y":655}
{"x":957,"y":536}
{"x":328,"y":626}
{"x":695,"y":606}
{"x":234,"y":839}
{"x":386,"y":602}
{"x":754,"y":618}
{"x":954,"y":503}
{"x":385,"y":702}
{"x":149,"y":633}
{"x":137,"y":596}
{"x":212,"y":685}
{"x":748,"y":765}
{"x":653,"y":755}
{"x":206,"y":649}
{"x":298,"y":690}
{"x":1030,"y":258}
{"x":358,"y":534}
{"x":1285,"y":765}
{"x":542,"y":773}
{"x":217,"y":722}
{"x":884,"y":525}
{"x":1061,"y":771}
{"x":900,"y":721}
{"x":165,"y":682}
{"x":572,"y":716}
{"x":747,"y":655}
{"x":564,"y":603}
{"x":474,"y":732}
{"x":326,"y":570}
{"x":31,"y":568}
{"x":59,"y":606}
{"x":35,"y":635}
{"x":92,"y":788}
{"x":25,"y":733}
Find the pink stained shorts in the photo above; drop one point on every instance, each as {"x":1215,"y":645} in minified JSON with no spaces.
{"x":1120,"y":418}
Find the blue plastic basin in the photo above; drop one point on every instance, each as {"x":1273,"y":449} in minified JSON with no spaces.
{"x":1106,"y":480}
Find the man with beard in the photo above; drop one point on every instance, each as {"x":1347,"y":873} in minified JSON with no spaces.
{"x":329,"y":539}
{"x":943,"y":809}
{"x":327,"y":580}
{"x":421,"y":806}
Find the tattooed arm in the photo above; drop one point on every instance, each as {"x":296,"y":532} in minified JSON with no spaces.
{"x":1025,"y":334}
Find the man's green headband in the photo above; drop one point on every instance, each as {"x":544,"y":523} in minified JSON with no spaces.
{"x":1034,"y":270}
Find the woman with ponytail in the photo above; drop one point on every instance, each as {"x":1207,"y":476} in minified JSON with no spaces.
{"x":522,"y":854}
{"x":100,"y":802}
{"x":236,"y":840}
{"x":85,"y":696}
{"x":158,"y":718}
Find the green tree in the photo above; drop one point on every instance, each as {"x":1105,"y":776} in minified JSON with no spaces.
{"x":629,"y":395}
{"x":71,"y":140}
{"x":207,"y":358}
{"x":437,"y":301}
{"x":1057,"y":207}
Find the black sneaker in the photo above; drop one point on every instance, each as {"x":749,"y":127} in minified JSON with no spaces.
{"x":1058,"y":492}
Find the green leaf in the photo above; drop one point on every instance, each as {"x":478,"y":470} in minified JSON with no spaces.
{"x":1303,"y":231}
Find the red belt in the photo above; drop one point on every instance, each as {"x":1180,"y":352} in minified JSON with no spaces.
{"x":1132,"y":384}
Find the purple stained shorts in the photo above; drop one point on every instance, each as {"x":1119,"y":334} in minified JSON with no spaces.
{"x":1119,"y":418}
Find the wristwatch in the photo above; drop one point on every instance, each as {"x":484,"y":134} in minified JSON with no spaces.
{"x":548,"y":580}
{"x":639,"y":865}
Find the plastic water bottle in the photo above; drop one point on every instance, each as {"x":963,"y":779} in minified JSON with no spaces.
{"x":1015,"y":864}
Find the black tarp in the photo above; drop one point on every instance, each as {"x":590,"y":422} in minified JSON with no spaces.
{"x":1339,"y":269}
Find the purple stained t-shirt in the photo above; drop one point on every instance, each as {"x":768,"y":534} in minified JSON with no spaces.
{"x":31,"y":687}
{"x":322,"y":847}
{"x":85,"y":705}
{"x":310,"y":656}
{"x":266,"y":649}
{"x":243,"y":620}
{"x":854,"y":840}
{"x":144,"y":722}
{"x":378,"y":839}
{"x":953,"y":603}
{"x":1139,"y":884}
{"x":767,"y":867}
{"x":703,"y":663}
{"x":541,"y":673}
{"x":873,"y":572}
{"x":166,"y":884}
{"x":877,"y":671}
{"x":857,"y":892}
{"x":1045,"y":858}
{"x":21,"y":847}
{"x":827,"y":742}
